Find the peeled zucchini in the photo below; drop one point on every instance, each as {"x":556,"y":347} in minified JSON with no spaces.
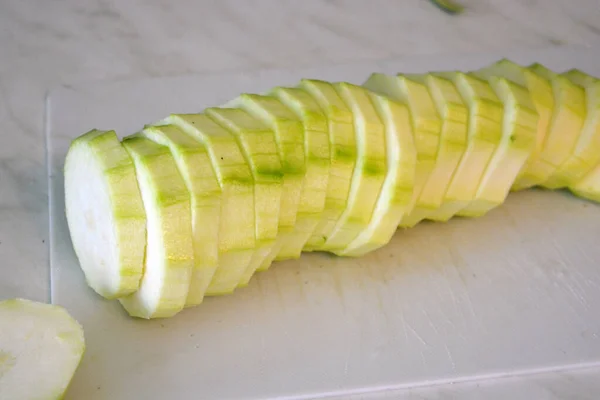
{"x":195,"y":204}
{"x":200,"y":179}
{"x":396,"y":192}
{"x":257,"y":142}
{"x":169,"y":258}
{"x":535,"y":170}
{"x":484,"y":135}
{"x":565,"y":127}
{"x":426,"y":128}
{"x":585,"y":155}
{"x":289,"y":138}
{"x":237,"y":219}
{"x":443,"y":186}
{"x":517,"y":142}
{"x":342,"y":153}
{"x":369,"y":172}
{"x":316,"y":178}
{"x":106,"y":215}
{"x":41,"y":346}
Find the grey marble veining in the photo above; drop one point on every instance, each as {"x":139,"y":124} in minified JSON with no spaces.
{"x":44,"y":44}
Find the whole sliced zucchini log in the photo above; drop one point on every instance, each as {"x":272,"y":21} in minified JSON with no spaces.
{"x":41,"y":346}
{"x":195,"y":204}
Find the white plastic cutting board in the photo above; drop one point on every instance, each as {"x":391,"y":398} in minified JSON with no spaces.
{"x":514,"y":292}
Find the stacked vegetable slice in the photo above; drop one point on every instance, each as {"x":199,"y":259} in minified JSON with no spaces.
{"x":194,"y":205}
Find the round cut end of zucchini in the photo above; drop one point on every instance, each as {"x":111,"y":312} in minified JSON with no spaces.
{"x":105,"y":214}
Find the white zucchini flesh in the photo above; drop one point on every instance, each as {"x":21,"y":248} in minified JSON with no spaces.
{"x":41,"y":346}
{"x":105,"y":213}
{"x":169,"y":252}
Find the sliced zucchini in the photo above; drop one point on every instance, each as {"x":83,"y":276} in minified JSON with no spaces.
{"x":194,"y":165}
{"x":289,"y":137}
{"x":535,"y":170}
{"x":565,"y":127}
{"x":486,"y":114}
{"x":257,"y":142}
{"x":396,"y":193}
{"x":452,"y":146}
{"x":589,"y":186}
{"x":426,"y":128}
{"x":41,"y":346}
{"x":370,"y":170}
{"x":105,"y":213}
{"x":169,"y":258}
{"x":237,"y":220}
{"x":316,"y":153}
{"x":455,"y":119}
{"x":587,"y":150}
{"x":342,"y":153}
{"x":519,"y":131}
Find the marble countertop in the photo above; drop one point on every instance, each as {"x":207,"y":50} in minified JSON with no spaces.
{"x":44,"y":44}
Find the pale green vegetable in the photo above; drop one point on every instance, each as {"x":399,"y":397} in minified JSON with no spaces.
{"x":587,"y":150}
{"x":105,"y":213}
{"x":169,"y":258}
{"x":41,"y":346}
{"x":519,"y":130}
{"x":257,"y":142}
{"x":342,"y":153}
{"x":396,"y":193}
{"x":426,"y":125}
{"x":589,"y":186}
{"x":535,"y":170}
{"x":289,"y":138}
{"x":370,"y":170}
{"x":316,"y":154}
{"x":194,"y":165}
{"x":237,"y":219}
{"x":565,"y":126}
{"x":441,"y":188}
{"x":484,"y":134}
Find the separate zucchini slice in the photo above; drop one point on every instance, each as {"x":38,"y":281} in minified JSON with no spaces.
{"x":535,"y":170}
{"x":396,"y":193}
{"x":587,"y":150}
{"x":41,"y":346}
{"x":342,"y":153}
{"x":289,"y":138}
{"x":519,"y":131}
{"x":316,"y":153}
{"x":486,"y":115}
{"x":565,"y":127}
{"x":194,"y":165}
{"x":257,"y":142}
{"x":169,"y":258}
{"x":370,"y":170}
{"x":237,"y":220}
{"x":452,"y":146}
{"x":426,"y":128}
{"x":105,"y":213}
